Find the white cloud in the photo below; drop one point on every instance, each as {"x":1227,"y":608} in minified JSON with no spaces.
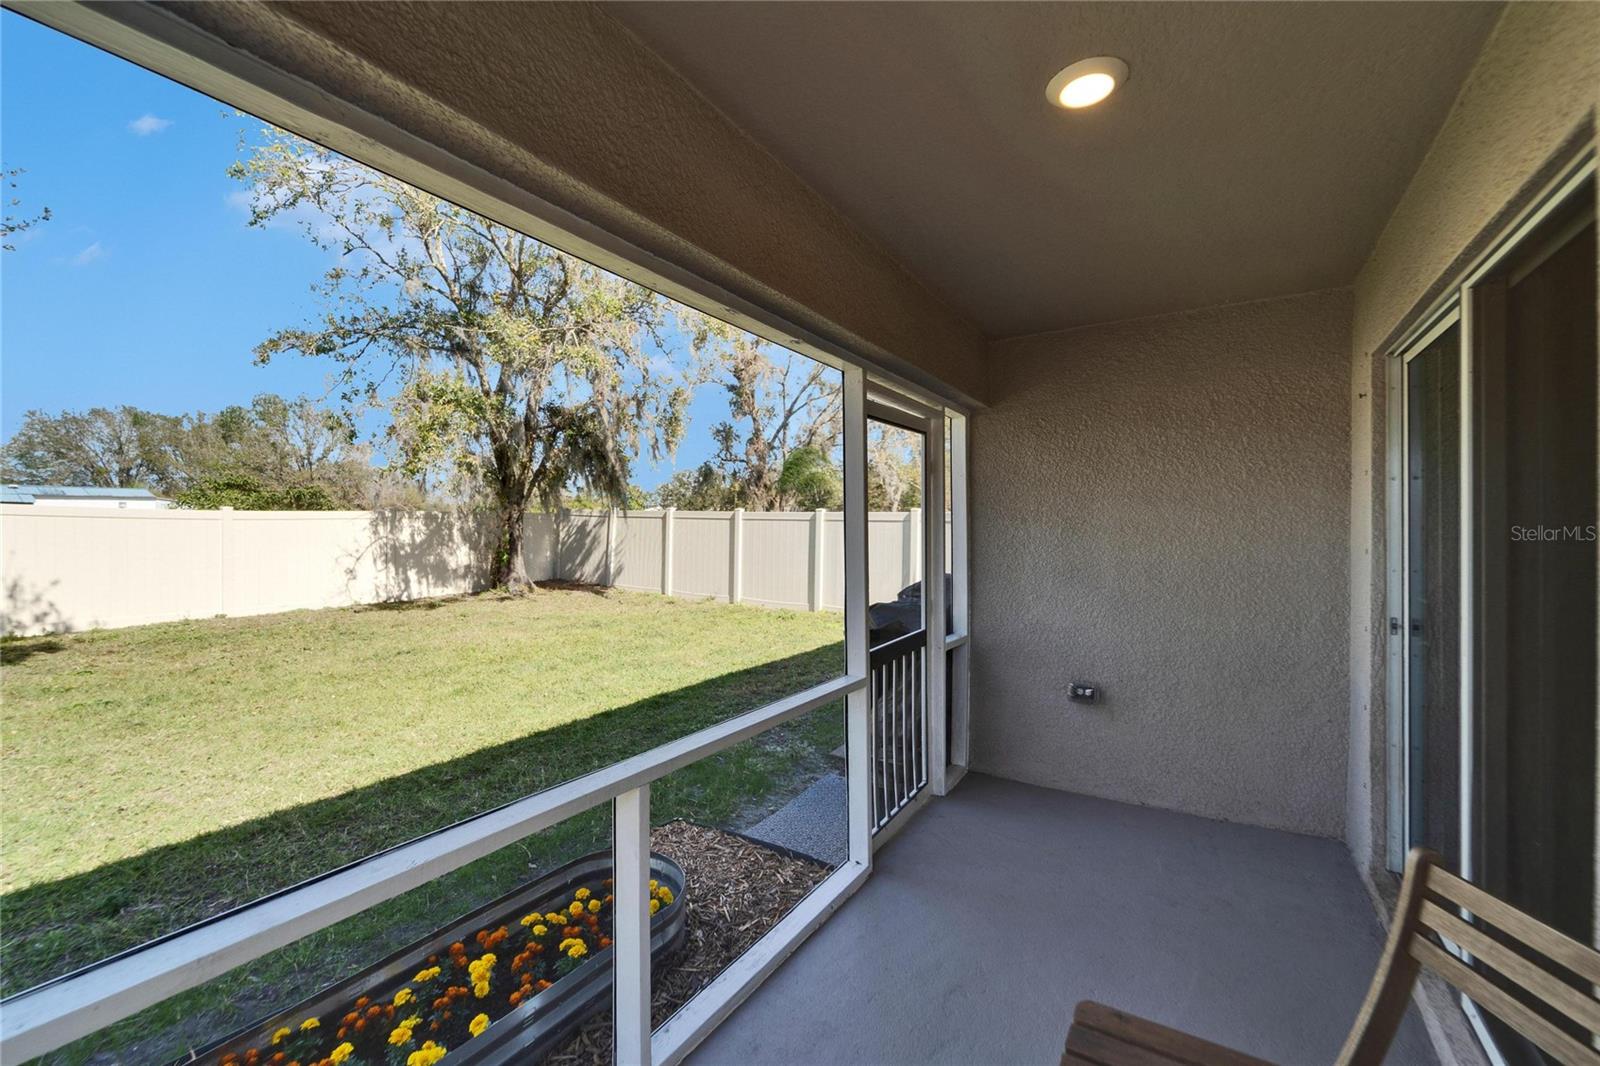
{"x":147,"y":124}
{"x":89,"y":255}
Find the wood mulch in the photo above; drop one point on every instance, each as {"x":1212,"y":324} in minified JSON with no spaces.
{"x":736,"y":891}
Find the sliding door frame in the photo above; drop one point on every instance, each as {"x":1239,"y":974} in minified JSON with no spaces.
{"x":1475,"y":300}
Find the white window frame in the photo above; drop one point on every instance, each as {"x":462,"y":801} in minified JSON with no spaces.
{"x":58,"y":1012}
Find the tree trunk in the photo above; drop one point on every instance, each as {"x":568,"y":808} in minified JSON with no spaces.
{"x":510,"y":570}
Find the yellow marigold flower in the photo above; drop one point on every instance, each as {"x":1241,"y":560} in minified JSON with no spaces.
{"x":402,"y":997}
{"x":582,"y":893}
{"x":541,"y":929}
{"x":594,"y":906}
{"x":426,"y":1055}
{"x":578,"y":950}
{"x":529,"y":919}
{"x":342,"y":1052}
{"x":567,"y":943}
{"x":555,"y":918}
{"x":309,"y":1024}
{"x":277,"y":1037}
{"x":654,"y":884}
{"x":576,"y":908}
{"x":664,"y":894}
{"x":655,"y":905}
{"x":480,"y":969}
{"x":481,"y":989}
{"x":401,"y":1035}
{"x":426,"y":975}
{"x":477,"y":1025}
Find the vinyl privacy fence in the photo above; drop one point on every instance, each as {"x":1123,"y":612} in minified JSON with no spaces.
{"x":68,"y":569}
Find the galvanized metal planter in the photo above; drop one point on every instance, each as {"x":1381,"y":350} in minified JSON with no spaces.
{"x":532,"y":1028}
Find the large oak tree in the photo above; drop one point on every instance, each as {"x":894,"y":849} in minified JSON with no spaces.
{"x":523,"y":369}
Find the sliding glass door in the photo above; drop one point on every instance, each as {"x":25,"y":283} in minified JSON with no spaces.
{"x":1534,"y":576}
{"x":1494,"y":583}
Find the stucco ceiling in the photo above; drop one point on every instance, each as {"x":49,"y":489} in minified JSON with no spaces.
{"x":1256,"y":149}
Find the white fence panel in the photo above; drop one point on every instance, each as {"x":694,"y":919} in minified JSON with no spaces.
{"x":583,"y":547}
{"x":701,"y":550}
{"x":86,"y":568}
{"x":539,"y":546}
{"x":777,"y":559}
{"x":892,"y":560}
{"x":638,"y":551}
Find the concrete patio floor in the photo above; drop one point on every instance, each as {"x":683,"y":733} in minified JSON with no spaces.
{"x":1001,"y":906}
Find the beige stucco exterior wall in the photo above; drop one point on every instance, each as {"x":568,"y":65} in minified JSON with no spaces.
{"x":1160,"y":507}
{"x":567,"y":104}
{"x":1523,"y":111}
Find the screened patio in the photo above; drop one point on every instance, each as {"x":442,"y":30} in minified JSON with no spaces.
{"x":1211,"y":559}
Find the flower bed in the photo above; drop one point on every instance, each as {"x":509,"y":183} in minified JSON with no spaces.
{"x":505,"y":983}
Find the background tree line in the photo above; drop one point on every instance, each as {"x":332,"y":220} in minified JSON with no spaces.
{"x":274,"y":454}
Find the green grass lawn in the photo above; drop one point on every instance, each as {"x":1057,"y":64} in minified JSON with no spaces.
{"x":154,"y":776}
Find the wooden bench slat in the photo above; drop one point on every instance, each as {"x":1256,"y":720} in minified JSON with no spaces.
{"x":1552,"y":1040}
{"x":1112,"y":1051}
{"x":1579,"y":958}
{"x":1581,"y":1008}
{"x":1099,"y":1031}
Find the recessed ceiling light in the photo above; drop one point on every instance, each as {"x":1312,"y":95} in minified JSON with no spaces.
{"x":1086,"y":82}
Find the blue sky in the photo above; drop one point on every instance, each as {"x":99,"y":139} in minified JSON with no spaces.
{"x":147,"y":287}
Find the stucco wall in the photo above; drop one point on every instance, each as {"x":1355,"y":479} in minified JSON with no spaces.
{"x":566,"y":103}
{"x":1160,"y":507}
{"x":1523,"y":110}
